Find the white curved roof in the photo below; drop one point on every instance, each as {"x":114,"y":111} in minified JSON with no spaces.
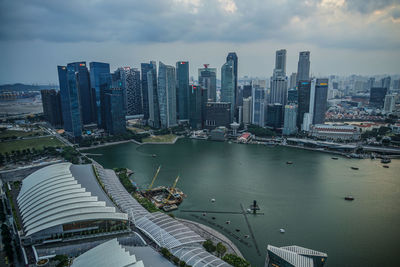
{"x":53,"y":196}
{"x":110,"y":253}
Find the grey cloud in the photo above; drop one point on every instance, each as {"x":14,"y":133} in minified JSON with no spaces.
{"x":369,"y":6}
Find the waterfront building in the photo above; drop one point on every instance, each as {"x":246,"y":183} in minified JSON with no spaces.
{"x":290,"y":120}
{"x":292,"y":96}
{"x":146,"y":67}
{"x":228,"y":85}
{"x":307,"y":122}
{"x":303,"y":66}
{"x":293,"y":80}
{"x":377,"y":96}
{"x":259,"y":95}
{"x":294,"y":256}
{"x":274,"y":115}
{"x":198,"y":99}
{"x":233,"y":57}
{"x":247,"y":110}
{"x":152,"y":92}
{"x":51,"y":101}
{"x":70,"y":104}
{"x":182,"y":90}
{"x":133,"y":92}
{"x":217,"y":114}
{"x":167,"y":95}
{"x":320,"y":101}
{"x":390,"y":101}
{"x":304,"y":92}
{"x":335,"y":132}
{"x":63,"y":200}
{"x":115,"y":114}
{"x":208,"y":81}
{"x":100,"y":80}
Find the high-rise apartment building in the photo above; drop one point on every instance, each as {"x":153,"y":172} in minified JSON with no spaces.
{"x":377,"y":96}
{"x":167,"y":95}
{"x":133,"y":90}
{"x":228,"y":85}
{"x":389,"y":103}
{"x":182,"y":90}
{"x":303,"y":66}
{"x":208,"y":81}
{"x":51,"y":101}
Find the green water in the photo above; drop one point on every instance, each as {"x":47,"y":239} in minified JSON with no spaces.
{"x":305,"y":198}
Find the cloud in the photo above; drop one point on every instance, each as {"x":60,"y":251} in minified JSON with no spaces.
{"x":336,"y":23}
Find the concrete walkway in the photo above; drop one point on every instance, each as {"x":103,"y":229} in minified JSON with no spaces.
{"x":209,"y":233}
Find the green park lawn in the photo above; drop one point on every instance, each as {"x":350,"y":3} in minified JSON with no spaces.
{"x":37,"y":143}
{"x":159,"y":138}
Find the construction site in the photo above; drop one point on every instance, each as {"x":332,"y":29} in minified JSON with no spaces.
{"x":163,"y":197}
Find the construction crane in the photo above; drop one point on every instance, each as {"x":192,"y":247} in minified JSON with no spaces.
{"x":154,"y":178}
{"x":172,"y":190}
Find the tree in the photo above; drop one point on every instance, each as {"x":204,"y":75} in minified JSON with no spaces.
{"x":221,"y":249}
{"x":209,"y":246}
{"x":236,"y":261}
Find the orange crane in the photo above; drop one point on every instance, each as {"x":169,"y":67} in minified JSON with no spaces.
{"x":171,"y":190}
{"x":154,"y":178}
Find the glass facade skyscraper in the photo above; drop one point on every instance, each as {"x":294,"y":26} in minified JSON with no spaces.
{"x":115,"y":115}
{"x":228,"y":85}
{"x":198,"y":99}
{"x":167,"y":95}
{"x":304,"y":92}
{"x":146,"y":67}
{"x":182,"y":90}
{"x":234,"y":58}
{"x":208,"y":80}
{"x":259,"y":95}
{"x":320,"y":101}
{"x":99,"y":81}
{"x":51,"y":101}
{"x":133,"y":92}
{"x":303,"y":66}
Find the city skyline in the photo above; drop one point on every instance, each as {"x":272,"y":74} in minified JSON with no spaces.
{"x":348,"y":38}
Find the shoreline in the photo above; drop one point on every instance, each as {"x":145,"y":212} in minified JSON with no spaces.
{"x":209,"y":233}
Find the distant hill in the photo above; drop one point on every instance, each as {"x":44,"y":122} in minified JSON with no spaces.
{"x":25,"y":87}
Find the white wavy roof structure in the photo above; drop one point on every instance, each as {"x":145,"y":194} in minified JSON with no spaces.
{"x":53,"y":196}
{"x":110,"y":253}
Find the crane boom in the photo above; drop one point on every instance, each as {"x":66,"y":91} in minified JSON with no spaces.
{"x":154,"y":178}
{"x":172,"y":189}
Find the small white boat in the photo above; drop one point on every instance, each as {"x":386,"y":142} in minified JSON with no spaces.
{"x":246,"y":236}
{"x":213,"y":200}
{"x":228,"y":222}
{"x":282,"y":230}
{"x":249,"y":210}
{"x":204,"y":214}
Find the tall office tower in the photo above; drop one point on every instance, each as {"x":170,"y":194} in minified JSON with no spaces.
{"x":304,"y":92}
{"x":280,"y":63}
{"x":259,"y":96}
{"x":70,"y":105}
{"x":154,"y":108}
{"x":232,"y":56}
{"x":228,"y":85}
{"x":247,"y":109}
{"x":217,"y":114}
{"x":377,"y":96}
{"x":320,"y":101}
{"x":293,"y":80}
{"x":290,"y":120}
{"x":146,"y":67}
{"x":167,"y":95}
{"x":396,"y":84}
{"x":274,"y":115}
{"x":51,"y":101}
{"x":208,"y":81}
{"x":115,"y":123}
{"x":389,"y":103}
{"x":133,"y":92}
{"x":292,"y":96}
{"x":370,"y":83}
{"x":87,"y":97}
{"x":303,"y":67}
{"x":385,"y":82}
{"x":100,"y":80}
{"x":182,"y":90}
{"x":247,"y":90}
{"x":198,"y":100}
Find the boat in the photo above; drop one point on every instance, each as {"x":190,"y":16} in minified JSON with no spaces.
{"x":237,"y":230}
{"x":385,"y":166}
{"x":349,"y":198}
{"x":170,"y":207}
{"x":228,"y":222}
{"x":154,"y":155}
{"x":213,"y":218}
{"x":386,"y":160}
{"x":289,"y":162}
{"x":249,"y":210}
{"x":335,"y":158}
{"x":246,"y":236}
{"x":282,"y":230}
{"x":204,"y":214}
{"x":354,"y":168}
{"x":213,"y":200}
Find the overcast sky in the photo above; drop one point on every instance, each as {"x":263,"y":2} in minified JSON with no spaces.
{"x":344,"y":36}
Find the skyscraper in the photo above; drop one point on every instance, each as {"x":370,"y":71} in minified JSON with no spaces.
{"x":167,"y":95}
{"x":198,"y":100}
{"x":70,"y":105}
{"x":385,"y":82}
{"x":303,"y":67}
{"x":280,"y":63}
{"x":99,"y":81}
{"x":182,"y":90}
{"x":133,"y":92}
{"x":377,"y":96}
{"x":115,"y":114}
{"x":217,"y":114}
{"x":274,"y":115}
{"x":247,"y":109}
{"x":304,"y":92}
{"x":279,"y":80}
{"x":146,"y":67}
{"x":51,"y":101}
{"x":152,"y":92}
{"x":293,"y":80}
{"x":320,"y":101}
{"x":292,"y":96}
{"x":259,"y":95}
{"x":208,"y":81}
{"x":228,"y":85}
{"x":389,"y":105}
{"x":290,"y":120}
{"x":232,"y":56}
